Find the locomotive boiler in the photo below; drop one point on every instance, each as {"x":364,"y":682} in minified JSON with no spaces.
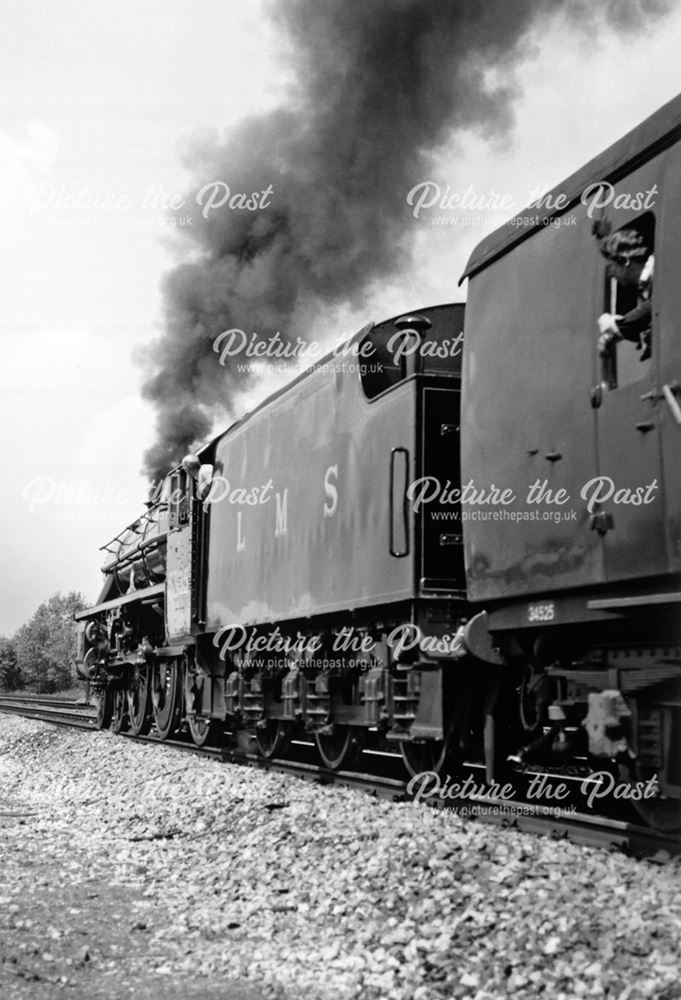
{"x":462,"y":553}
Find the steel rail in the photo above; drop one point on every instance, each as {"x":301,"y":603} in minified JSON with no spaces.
{"x":579,"y":828}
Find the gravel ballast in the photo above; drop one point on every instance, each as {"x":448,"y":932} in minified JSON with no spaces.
{"x":132,"y":870}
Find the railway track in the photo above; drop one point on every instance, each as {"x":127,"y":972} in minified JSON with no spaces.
{"x":558,"y":823}
{"x":58,"y":711}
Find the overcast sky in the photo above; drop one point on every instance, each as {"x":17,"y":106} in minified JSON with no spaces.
{"x":98,"y":100}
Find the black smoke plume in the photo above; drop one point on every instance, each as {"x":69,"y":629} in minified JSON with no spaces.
{"x":380,"y":85}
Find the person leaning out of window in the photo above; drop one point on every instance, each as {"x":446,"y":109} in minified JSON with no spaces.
{"x":631,"y":263}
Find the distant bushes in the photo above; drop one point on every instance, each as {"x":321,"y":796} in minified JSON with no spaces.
{"x":40,"y":656}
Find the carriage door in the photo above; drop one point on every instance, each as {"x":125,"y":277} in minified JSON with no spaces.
{"x":628,"y":424}
{"x":179,"y":572}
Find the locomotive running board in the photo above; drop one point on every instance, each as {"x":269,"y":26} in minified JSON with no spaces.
{"x":145,"y":595}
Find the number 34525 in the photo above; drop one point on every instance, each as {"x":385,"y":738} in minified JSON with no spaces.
{"x":543,"y":611}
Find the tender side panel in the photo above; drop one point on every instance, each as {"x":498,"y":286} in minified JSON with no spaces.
{"x":315,"y":470}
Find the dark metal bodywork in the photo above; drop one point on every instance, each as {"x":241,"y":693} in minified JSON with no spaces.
{"x":535,"y":406}
{"x":334,"y":531}
{"x":559,"y":644}
{"x":582,"y":595}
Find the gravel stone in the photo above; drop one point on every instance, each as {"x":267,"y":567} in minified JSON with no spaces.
{"x":132,"y":870}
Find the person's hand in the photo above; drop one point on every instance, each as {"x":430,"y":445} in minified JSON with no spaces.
{"x":609,"y":331}
{"x":604,"y":342}
{"x":607,"y":323}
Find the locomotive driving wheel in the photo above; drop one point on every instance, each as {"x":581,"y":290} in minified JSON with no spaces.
{"x":104,"y":708}
{"x":139,"y":701}
{"x":165,"y":696}
{"x":341,"y":748}
{"x":273,"y":739}
{"x":119,"y":713}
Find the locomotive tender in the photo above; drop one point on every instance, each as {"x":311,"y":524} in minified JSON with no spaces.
{"x":460,"y":554}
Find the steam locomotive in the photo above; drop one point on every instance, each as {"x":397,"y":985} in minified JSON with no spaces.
{"x":460,"y":554}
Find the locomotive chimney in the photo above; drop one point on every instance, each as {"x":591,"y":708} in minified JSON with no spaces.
{"x":418,"y":323}
{"x":413,"y":329}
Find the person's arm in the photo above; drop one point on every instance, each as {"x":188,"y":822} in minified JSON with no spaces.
{"x":628,"y":327}
{"x":633,"y":323}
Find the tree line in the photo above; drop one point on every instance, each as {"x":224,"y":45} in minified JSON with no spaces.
{"x":40,"y":656}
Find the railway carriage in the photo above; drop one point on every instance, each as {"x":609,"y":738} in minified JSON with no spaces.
{"x":587,"y":606}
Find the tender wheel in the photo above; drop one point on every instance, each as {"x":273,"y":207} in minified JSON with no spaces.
{"x":272,"y":740}
{"x":342,"y":748}
{"x":139,"y":701}
{"x":197,"y":706}
{"x":119,"y":715}
{"x":431,"y":755}
{"x":659,"y":813}
{"x":104,"y":709}
{"x":205,"y":731}
{"x":165,"y":697}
